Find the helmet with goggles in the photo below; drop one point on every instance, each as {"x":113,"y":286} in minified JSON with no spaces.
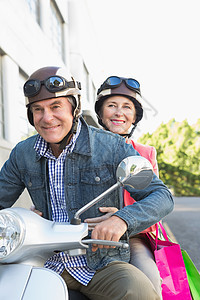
{"x":120,"y":86}
{"x":51,"y":82}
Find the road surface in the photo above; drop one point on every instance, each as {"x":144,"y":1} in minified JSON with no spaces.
{"x":183,"y":225}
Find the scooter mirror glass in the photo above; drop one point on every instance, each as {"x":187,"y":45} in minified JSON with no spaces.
{"x":135,"y":172}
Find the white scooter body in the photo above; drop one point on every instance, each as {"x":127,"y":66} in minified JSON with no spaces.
{"x":31,"y":283}
{"x":28,"y":240}
{"x":22,"y":275}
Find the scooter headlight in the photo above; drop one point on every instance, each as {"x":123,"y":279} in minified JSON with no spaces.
{"x":11,"y":233}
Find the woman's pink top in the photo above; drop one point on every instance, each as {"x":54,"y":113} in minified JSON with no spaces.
{"x":149,"y":152}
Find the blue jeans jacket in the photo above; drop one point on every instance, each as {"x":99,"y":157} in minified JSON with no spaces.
{"x":89,"y":170}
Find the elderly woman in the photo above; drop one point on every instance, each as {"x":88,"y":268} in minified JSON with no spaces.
{"x":119,"y":109}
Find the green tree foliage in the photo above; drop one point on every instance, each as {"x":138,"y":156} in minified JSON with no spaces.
{"x":178,"y":155}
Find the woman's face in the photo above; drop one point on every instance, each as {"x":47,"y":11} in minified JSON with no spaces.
{"x":118,"y":113}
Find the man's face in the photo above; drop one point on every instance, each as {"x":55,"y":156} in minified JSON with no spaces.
{"x":52,"y":118}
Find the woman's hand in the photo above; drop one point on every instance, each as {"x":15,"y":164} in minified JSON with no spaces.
{"x":32,"y":208}
{"x":92,"y":222}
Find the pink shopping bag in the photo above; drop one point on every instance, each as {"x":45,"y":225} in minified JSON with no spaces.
{"x":171,"y":266}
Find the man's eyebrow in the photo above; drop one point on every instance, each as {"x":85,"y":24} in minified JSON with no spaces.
{"x":35,"y":104}
{"x":56,"y":102}
{"x":38,"y":104}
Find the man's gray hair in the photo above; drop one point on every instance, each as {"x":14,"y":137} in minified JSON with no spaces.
{"x":72,"y":101}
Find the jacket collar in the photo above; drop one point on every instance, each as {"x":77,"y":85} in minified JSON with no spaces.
{"x":83,"y":146}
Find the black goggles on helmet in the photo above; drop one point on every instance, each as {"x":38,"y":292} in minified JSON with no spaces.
{"x":53,"y":84}
{"x":115,"y":81}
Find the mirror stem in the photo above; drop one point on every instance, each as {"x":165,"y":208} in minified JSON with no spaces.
{"x":76,"y":220}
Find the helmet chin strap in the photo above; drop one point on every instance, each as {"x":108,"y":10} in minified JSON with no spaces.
{"x":128,"y":135}
{"x":65,"y":141}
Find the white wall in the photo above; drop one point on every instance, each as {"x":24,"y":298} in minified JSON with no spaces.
{"x":26,"y":46}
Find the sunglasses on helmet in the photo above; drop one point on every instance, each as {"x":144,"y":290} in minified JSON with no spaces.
{"x":115,"y":81}
{"x":53,"y":84}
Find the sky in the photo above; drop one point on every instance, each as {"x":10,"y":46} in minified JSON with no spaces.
{"x":156,"y":42}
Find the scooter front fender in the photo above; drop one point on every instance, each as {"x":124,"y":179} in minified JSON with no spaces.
{"x":23,"y":282}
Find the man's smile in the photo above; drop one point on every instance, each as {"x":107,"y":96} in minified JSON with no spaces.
{"x":50,"y":127}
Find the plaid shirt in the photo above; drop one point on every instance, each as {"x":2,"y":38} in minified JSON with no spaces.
{"x":75,"y":265}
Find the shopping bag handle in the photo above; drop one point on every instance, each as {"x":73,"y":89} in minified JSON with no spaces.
{"x":159,"y":225}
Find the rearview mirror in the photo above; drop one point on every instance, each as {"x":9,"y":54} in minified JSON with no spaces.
{"x":135,"y":171}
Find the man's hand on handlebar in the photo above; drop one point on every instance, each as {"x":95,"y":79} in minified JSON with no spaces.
{"x":107,"y":227}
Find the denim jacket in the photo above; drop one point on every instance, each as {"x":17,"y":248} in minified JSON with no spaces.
{"x":89,"y":170}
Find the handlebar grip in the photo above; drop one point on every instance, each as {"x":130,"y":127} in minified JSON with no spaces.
{"x":106,"y":243}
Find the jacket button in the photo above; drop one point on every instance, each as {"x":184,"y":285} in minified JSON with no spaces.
{"x":30,"y":184}
{"x":97,"y":179}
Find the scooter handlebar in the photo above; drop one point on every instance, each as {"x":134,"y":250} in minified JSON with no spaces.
{"x":106,"y":243}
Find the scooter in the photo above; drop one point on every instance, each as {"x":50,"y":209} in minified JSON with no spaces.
{"x":28,"y":240}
